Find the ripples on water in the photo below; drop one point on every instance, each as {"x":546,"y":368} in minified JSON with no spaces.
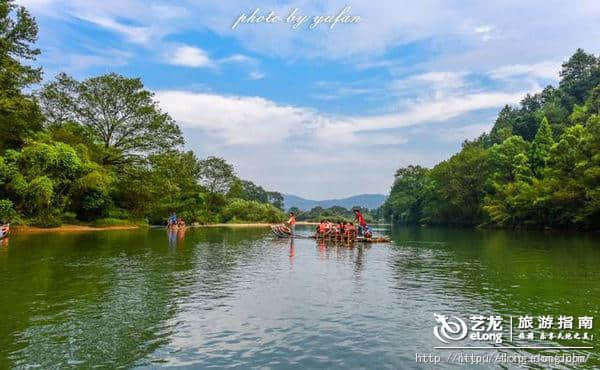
{"x":239,"y":298}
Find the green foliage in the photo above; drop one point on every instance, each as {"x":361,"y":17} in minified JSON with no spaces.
{"x":116,"y":111}
{"x":216,"y":175}
{"x":251,"y":211}
{"x":7,"y":212}
{"x":106,"y":151}
{"x":107,"y":222}
{"x":538,"y":167}
{"x":20,"y":115}
{"x":247,"y":190}
{"x":407,"y":195}
{"x":540,"y":147}
{"x":456,"y":187}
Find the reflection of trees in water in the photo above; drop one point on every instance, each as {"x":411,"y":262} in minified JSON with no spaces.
{"x":89,"y":302}
{"x":516,"y":273}
{"x":528,"y":267}
{"x":82,"y":302}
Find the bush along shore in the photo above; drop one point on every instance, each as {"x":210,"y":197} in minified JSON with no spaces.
{"x":101,"y":153}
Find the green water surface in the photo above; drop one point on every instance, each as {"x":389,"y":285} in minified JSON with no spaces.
{"x":222,"y":297}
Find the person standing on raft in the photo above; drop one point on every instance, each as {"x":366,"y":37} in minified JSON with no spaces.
{"x":362,"y":225}
{"x":292,"y":223}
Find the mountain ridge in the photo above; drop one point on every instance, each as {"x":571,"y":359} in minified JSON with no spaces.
{"x":370,"y":201}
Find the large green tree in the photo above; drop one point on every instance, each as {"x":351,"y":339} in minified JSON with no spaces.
{"x":216,"y":175}
{"x":20,"y":115}
{"x":405,"y":202}
{"x":120,"y":114}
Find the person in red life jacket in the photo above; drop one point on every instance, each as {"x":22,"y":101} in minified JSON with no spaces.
{"x":322,"y":228}
{"x":362,"y":225}
{"x":349,"y":230}
{"x":292,"y":223}
{"x":340,"y":229}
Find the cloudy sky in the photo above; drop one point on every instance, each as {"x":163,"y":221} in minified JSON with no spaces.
{"x":322,"y":112}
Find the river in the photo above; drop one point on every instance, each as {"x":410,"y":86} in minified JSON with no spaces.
{"x":226,"y":297}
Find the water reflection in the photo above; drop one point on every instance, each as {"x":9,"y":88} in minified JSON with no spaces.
{"x":225,"y":297}
{"x":499,"y":272}
{"x":292,"y":251}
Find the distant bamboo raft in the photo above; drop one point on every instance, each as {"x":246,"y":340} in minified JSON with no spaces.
{"x":282,"y":231}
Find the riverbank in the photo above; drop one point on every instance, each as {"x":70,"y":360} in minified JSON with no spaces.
{"x":87,"y":228}
{"x":68,"y":229}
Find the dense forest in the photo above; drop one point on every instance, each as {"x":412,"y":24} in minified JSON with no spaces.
{"x":101,"y":150}
{"x":538,"y":167}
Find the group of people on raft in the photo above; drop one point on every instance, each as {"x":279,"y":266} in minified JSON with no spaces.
{"x":337,"y":230}
{"x":174,"y":222}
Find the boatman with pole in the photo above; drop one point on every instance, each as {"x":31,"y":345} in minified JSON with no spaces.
{"x":362,"y":225}
{"x":292,"y":223}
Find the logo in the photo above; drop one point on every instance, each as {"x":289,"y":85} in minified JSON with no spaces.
{"x":449,"y":330}
{"x":495,"y":329}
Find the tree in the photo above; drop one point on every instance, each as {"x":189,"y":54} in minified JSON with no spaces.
{"x":406,"y":196}
{"x":20,"y":115}
{"x":540,"y":147}
{"x":503,"y":128}
{"x":117,"y":111}
{"x":456,"y":187}
{"x":41,"y":178}
{"x":216,"y":175}
{"x":276,"y":199}
{"x":579,"y":75}
{"x":236,"y":190}
{"x":169,"y":183}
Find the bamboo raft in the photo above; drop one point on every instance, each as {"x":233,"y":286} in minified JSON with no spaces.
{"x":284,"y":232}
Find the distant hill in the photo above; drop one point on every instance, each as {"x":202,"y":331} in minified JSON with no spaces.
{"x":370,"y":201}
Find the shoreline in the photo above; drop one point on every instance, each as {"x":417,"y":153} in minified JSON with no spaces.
{"x":86,"y":228}
{"x":68,"y":229}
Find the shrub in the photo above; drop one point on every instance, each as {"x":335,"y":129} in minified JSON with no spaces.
{"x":7,"y":212}
{"x":251,"y":211}
{"x":46,"y":221}
{"x":107,"y":222}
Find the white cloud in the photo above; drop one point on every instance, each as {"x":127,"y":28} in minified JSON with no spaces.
{"x":485,"y":31}
{"x":255,"y":120}
{"x":256,"y":75}
{"x":190,"y":56}
{"x":278,"y":145}
{"x":546,"y":70}
{"x":437,"y":110}
{"x":136,"y":34}
{"x":235,"y":119}
{"x":432,"y":84}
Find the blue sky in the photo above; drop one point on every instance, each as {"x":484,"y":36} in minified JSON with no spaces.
{"x":322,"y":112}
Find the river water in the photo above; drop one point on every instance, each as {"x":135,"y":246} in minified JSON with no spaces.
{"x":224,"y":297}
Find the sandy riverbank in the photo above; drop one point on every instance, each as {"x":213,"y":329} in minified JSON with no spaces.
{"x":84,"y":228}
{"x":67,"y":229}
